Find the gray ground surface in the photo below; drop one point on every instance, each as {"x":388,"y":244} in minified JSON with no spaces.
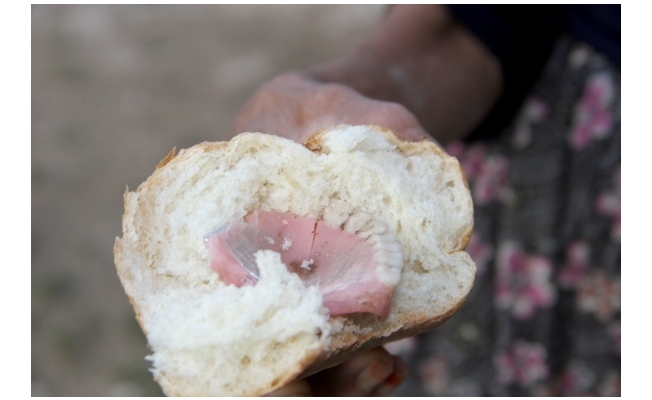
{"x":114,"y":88}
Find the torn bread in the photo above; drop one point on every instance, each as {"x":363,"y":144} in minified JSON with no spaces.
{"x":209,"y":338}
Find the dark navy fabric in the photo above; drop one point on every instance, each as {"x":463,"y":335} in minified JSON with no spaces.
{"x":522,"y":37}
{"x":597,"y":24}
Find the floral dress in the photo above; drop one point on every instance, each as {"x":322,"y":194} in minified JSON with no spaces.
{"x":544,"y":315}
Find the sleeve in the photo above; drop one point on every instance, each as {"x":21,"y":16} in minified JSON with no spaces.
{"x":522,"y":38}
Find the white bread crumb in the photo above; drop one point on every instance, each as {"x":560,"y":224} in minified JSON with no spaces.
{"x":211,"y":339}
{"x":305,"y":264}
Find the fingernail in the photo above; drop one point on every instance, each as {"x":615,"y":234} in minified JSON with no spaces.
{"x":372,"y":376}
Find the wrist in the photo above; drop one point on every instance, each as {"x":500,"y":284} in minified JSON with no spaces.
{"x":390,"y":61}
{"x":422,"y":58}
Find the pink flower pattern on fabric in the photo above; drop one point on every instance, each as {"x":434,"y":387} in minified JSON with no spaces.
{"x":599,"y":295}
{"x":576,"y":380}
{"x":576,"y":266}
{"x":492,"y":180}
{"x":592,"y":118}
{"x":535,"y":110}
{"x":523,"y":282}
{"x":488,"y":176}
{"x":470,"y":158}
{"x":480,"y":252}
{"x":583,"y":105}
{"x":524,"y":364}
{"x":608,"y":204}
{"x":456,"y":148}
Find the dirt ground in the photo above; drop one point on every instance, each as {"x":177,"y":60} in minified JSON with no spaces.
{"x":114,"y":88}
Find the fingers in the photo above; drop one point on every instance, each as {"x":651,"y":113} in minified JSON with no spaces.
{"x":392,"y":382}
{"x":375,"y":372}
{"x":371,"y":375}
{"x":397,"y":118}
{"x":295,"y":106}
{"x":278,"y":107}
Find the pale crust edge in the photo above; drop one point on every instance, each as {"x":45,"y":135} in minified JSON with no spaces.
{"x":344,"y":346}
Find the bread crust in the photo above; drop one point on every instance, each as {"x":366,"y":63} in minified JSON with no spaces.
{"x":348,"y":345}
{"x":345,"y":343}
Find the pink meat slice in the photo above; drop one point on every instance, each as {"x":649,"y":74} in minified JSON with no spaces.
{"x":343,"y":265}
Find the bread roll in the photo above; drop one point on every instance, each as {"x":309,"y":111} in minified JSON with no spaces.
{"x":209,"y":338}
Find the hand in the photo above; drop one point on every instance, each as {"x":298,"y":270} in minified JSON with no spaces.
{"x":295,"y":105}
{"x":418,"y":71}
{"x":418,"y":68}
{"x":372,"y":373}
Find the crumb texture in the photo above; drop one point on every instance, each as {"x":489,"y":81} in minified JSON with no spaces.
{"x":208,"y":338}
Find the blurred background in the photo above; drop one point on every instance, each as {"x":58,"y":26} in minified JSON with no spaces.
{"x":114,"y":88}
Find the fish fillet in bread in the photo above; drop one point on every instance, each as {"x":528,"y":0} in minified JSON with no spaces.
{"x":210,"y":336}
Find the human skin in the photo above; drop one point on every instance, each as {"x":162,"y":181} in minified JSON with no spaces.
{"x":421,"y":74}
